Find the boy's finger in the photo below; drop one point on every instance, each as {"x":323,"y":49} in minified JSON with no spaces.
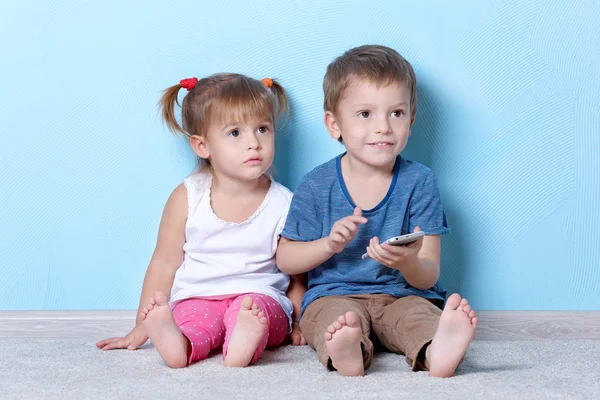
{"x":337,"y":237}
{"x":356,"y":219}
{"x":345,"y":232}
{"x":357,"y":211}
{"x":395,"y":250}
{"x":350,"y":226}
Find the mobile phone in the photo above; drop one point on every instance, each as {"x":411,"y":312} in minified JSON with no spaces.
{"x":400,"y":240}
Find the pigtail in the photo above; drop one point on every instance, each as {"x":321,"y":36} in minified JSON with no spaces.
{"x":167,"y":107}
{"x":282,"y":112}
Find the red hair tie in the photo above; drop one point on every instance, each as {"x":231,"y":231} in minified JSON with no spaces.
{"x":268,"y":82}
{"x":188,"y":83}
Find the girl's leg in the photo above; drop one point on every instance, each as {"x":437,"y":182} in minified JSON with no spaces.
{"x":253,"y":322}
{"x":201,"y":322}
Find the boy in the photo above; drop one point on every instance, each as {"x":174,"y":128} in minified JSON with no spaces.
{"x":341,"y":209}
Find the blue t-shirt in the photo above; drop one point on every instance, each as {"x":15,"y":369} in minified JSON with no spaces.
{"x":322,"y":198}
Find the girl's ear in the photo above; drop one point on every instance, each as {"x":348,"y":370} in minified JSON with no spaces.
{"x":198,"y":144}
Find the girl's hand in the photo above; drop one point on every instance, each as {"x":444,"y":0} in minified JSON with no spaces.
{"x":131,"y":341}
{"x":297,"y":336}
{"x":395,"y":256}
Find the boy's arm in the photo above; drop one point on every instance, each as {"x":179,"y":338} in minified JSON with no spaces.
{"x":296,"y":257}
{"x":423,"y":271}
{"x":419,"y":262}
{"x":299,"y":257}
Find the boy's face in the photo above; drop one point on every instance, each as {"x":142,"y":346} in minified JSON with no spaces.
{"x":374,"y":122}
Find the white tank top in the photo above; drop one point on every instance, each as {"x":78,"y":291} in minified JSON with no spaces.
{"x":225,"y":258}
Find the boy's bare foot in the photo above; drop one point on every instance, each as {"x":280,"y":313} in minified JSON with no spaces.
{"x":452,"y":338}
{"x":249,"y":330}
{"x":164,"y":333}
{"x":343,"y":345}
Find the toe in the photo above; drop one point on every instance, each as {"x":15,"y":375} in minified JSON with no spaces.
{"x":453,"y":301}
{"x":328,"y":336}
{"x":472,"y":314}
{"x":331,"y":329}
{"x":467,"y":309}
{"x":474,"y":322}
{"x":337,"y":325}
{"x":351,"y":319}
{"x":247,"y":303}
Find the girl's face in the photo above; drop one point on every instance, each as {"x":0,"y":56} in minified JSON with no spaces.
{"x":242,"y":151}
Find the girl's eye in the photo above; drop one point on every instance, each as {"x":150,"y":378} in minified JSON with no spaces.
{"x":397,"y":113}
{"x":364,"y":114}
{"x":263,"y":130}
{"x":234,"y":133}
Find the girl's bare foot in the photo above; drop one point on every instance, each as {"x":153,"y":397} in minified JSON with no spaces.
{"x":452,"y":338}
{"x":343,"y":345}
{"x":250,"y":327}
{"x":164,"y":333}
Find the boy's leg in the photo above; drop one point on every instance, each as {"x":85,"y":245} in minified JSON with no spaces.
{"x":406,"y":326}
{"x":323,"y":316}
{"x":432,"y":339}
{"x":253,"y":322}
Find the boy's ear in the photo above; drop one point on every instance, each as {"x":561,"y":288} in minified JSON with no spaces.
{"x":332,"y":125}
{"x":412,"y":121}
{"x":198,"y":144}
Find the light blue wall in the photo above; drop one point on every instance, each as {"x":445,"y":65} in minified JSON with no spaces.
{"x":508,"y":119}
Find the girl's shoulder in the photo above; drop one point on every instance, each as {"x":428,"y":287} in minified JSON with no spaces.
{"x":280,"y":193}
{"x":197,"y":186}
{"x":198,"y":183}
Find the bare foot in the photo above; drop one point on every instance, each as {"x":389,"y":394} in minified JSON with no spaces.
{"x":249,"y":330}
{"x":452,"y":338}
{"x":164,"y":333}
{"x":343,"y":345}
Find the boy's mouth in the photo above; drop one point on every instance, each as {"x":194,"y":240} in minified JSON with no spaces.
{"x":380,"y":145}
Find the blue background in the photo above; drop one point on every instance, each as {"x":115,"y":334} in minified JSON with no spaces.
{"x":509,"y":100}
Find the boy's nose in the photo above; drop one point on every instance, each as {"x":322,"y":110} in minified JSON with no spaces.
{"x":383,"y":126}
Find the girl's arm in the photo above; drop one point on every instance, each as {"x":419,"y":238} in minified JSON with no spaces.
{"x":167,"y":258}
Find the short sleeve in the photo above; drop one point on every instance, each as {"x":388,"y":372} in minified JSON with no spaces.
{"x":303,"y":222}
{"x":426,"y":209}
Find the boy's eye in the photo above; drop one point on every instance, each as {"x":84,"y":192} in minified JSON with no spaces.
{"x":364,"y":114}
{"x":235,"y":133}
{"x":398,"y":113}
{"x":263,"y":129}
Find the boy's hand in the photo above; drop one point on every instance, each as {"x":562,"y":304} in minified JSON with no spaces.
{"x":394,"y":256}
{"x":297,"y":336}
{"x":344,"y":231}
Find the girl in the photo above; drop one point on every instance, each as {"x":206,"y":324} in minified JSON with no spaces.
{"x":216,"y":244}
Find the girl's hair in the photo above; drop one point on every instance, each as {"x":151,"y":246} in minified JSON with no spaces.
{"x":224,"y":98}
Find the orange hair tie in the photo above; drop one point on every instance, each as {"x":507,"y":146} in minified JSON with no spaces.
{"x":268,"y":82}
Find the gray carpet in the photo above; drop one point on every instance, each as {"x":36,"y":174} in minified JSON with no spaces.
{"x":36,"y":369}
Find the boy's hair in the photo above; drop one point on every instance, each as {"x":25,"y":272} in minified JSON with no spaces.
{"x":380,"y":65}
{"x":225,"y":98}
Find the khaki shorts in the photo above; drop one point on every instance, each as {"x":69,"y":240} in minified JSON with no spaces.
{"x":402,"y":325}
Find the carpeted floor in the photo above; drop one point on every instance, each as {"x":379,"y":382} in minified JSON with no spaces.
{"x":36,"y":369}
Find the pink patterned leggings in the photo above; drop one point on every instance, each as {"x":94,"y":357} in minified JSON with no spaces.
{"x":208,"y":324}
